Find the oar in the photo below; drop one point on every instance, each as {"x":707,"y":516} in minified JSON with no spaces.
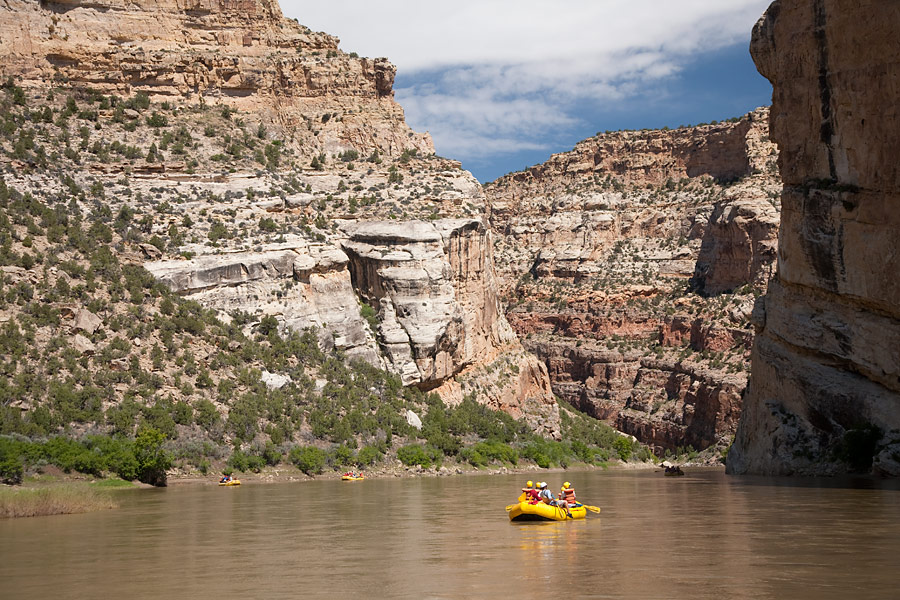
{"x":511,"y":506}
{"x":595,"y":509}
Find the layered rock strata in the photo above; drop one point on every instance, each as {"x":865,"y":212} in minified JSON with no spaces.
{"x":630,"y":266}
{"x":238,"y":53}
{"x":303,"y":285}
{"x":431,"y":285}
{"x":824,"y":394}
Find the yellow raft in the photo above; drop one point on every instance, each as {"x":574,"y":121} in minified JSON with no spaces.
{"x":232,"y":482}
{"x":352,"y":477}
{"x":523,"y":511}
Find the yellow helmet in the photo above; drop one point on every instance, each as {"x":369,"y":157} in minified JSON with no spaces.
{"x":529,"y":484}
{"x":566,"y":485}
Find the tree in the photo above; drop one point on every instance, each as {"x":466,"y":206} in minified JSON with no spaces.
{"x":152,"y":458}
{"x":309,"y":459}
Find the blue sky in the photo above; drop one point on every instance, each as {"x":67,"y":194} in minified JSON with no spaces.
{"x":502,"y":84}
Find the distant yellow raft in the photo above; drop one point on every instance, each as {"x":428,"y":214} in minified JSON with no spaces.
{"x":232,"y":482}
{"x":352,"y":477}
{"x":523,"y":511}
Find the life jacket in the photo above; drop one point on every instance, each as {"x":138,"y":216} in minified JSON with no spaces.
{"x":569,"y":496}
{"x":533,"y":496}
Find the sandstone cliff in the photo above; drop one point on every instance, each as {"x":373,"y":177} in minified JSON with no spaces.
{"x":630,"y":266}
{"x":824,"y":392}
{"x":239,"y":53}
{"x":254,"y":167}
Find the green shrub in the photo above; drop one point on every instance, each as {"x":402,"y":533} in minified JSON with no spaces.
{"x":499,"y":451}
{"x":207,"y":416}
{"x":271,"y":454}
{"x":183,"y":413}
{"x":12,"y":469}
{"x":239,"y":461}
{"x":157,"y":120}
{"x":309,"y":459}
{"x":417,"y":454}
{"x":343,"y":455}
{"x":473,"y":457}
{"x":446,"y":443}
{"x":368,"y":455}
{"x":256,"y":463}
{"x":623,"y":446}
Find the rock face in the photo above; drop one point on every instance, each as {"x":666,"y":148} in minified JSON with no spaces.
{"x":738,"y":246}
{"x":438,"y":322}
{"x":629,"y":266}
{"x":239,"y":53}
{"x":824,"y":394}
{"x":432,"y":288}
{"x":276,"y":179}
{"x":301,"y":284}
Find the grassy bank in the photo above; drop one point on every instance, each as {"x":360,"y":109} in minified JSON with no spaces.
{"x":59,"y":499}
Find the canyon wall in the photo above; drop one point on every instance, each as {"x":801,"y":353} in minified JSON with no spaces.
{"x":824,"y":393}
{"x":274,"y":177}
{"x":238,"y":53}
{"x":630,"y":266}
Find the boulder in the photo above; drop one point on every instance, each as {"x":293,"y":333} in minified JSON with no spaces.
{"x":86,"y":321}
{"x":83,"y":345}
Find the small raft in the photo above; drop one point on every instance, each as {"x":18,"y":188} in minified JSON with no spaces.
{"x":352,"y":477}
{"x":523,"y":511}
{"x":229,"y":483}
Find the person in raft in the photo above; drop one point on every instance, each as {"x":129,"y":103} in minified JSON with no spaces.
{"x":225,"y":479}
{"x":567,"y":493}
{"x":531,"y":493}
{"x":547,"y":497}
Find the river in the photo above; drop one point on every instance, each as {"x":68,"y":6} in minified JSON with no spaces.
{"x":703,"y":535}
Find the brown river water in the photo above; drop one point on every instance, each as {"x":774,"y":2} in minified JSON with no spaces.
{"x":704,"y":535}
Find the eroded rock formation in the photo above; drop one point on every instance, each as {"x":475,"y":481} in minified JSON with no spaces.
{"x":601,"y":252}
{"x":239,"y":53}
{"x":824,"y":394}
{"x":738,"y":246}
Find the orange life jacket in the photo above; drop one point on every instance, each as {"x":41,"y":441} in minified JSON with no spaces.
{"x":569,"y":496}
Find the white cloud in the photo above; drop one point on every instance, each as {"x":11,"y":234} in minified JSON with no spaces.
{"x":491,"y":74}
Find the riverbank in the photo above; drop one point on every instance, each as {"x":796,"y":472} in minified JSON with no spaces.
{"x":285,"y":473}
{"x":59,"y":498}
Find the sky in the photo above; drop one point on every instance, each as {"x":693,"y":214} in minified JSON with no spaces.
{"x":503,"y":84}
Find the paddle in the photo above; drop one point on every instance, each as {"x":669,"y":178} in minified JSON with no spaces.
{"x":595,"y":509}
{"x":511,"y":506}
